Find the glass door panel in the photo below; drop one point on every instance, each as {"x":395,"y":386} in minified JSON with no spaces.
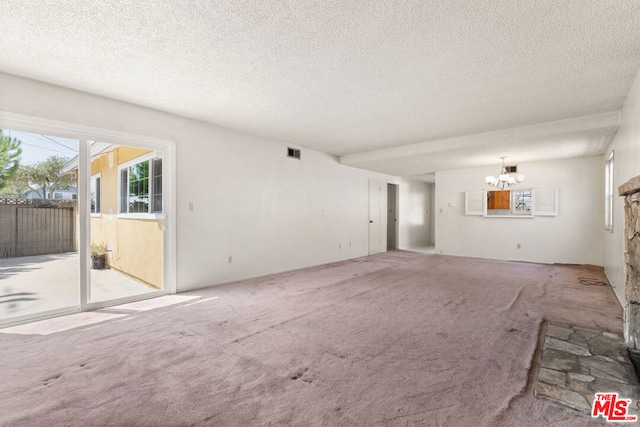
{"x":39,"y":263}
{"x":126,"y":231}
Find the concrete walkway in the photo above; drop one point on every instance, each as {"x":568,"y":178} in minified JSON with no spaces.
{"x":35,"y":284}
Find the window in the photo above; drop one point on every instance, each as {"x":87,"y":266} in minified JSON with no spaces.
{"x":95,"y":193}
{"x":65,"y":194}
{"x":522,"y":202}
{"x":608,"y":193}
{"x":141,"y":186}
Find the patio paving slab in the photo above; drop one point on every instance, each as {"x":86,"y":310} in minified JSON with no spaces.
{"x":36,"y":284}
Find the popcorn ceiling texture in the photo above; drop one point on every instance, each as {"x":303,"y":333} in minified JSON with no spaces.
{"x":340,"y":77}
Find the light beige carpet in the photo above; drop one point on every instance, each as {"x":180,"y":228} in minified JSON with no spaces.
{"x":394,"y":339}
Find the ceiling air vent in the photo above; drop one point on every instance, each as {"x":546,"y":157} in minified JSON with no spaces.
{"x":294,"y":153}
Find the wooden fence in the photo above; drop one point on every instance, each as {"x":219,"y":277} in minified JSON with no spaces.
{"x":37,"y":227}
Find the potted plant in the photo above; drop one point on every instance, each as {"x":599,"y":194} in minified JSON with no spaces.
{"x":98,"y":256}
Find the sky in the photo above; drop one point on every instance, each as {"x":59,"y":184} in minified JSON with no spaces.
{"x":37,"y":147}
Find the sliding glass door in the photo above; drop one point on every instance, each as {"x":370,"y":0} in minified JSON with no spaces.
{"x":83,"y":221}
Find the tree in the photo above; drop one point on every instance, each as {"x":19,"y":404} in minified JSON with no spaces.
{"x":10,"y":191}
{"x":44,"y":177}
{"x":10,"y":152}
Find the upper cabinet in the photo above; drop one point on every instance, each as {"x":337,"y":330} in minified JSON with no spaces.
{"x":499,"y":199}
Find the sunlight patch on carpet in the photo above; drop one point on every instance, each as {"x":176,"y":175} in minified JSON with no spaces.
{"x":151,"y":304}
{"x":198,"y":302}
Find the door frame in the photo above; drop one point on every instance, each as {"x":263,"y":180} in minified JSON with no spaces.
{"x":84,"y":134}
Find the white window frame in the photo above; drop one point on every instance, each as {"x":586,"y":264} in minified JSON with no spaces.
{"x":139,"y":215}
{"x":98,"y":212}
{"x":608,"y":193}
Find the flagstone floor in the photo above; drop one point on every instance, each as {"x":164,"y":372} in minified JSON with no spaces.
{"x":577,"y":363}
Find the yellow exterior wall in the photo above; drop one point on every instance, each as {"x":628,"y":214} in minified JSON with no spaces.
{"x":136,"y":244}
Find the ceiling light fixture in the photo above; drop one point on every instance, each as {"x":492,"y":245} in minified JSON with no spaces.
{"x":504,"y":178}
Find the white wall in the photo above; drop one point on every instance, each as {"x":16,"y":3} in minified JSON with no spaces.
{"x":414,"y":216}
{"x":250,"y":202}
{"x":626,"y":165}
{"x":575,"y":236}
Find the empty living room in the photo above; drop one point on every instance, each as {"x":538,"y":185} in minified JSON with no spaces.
{"x":320,"y":213}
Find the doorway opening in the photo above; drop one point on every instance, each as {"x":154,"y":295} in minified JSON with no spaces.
{"x":392,"y":216}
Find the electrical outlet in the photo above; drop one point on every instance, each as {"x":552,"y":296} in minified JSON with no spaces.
{"x":190,"y":206}
{"x":518,"y":246}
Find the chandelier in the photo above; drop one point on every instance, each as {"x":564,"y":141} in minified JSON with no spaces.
{"x":504,"y":178}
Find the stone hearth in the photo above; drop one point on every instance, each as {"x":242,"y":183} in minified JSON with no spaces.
{"x":631,"y":192}
{"x":577,"y":363}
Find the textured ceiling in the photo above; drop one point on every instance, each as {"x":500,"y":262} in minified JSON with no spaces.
{"x":351,"y":77}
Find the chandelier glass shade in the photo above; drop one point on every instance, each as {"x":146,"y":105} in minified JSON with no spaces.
{"x":504,"y":178}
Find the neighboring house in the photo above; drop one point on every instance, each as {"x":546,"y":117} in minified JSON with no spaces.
{"x":32,"y":194}
{"x":126,"y":208}
{"x":69,"y":193}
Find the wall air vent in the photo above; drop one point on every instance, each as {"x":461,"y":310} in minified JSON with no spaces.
{"x":512,"y":169}
{"x":294,"y":153}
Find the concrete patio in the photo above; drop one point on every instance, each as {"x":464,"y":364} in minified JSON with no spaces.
{"x":35,"y":284}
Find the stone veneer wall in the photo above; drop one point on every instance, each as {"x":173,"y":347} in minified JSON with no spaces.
{"x":631,"y":192}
